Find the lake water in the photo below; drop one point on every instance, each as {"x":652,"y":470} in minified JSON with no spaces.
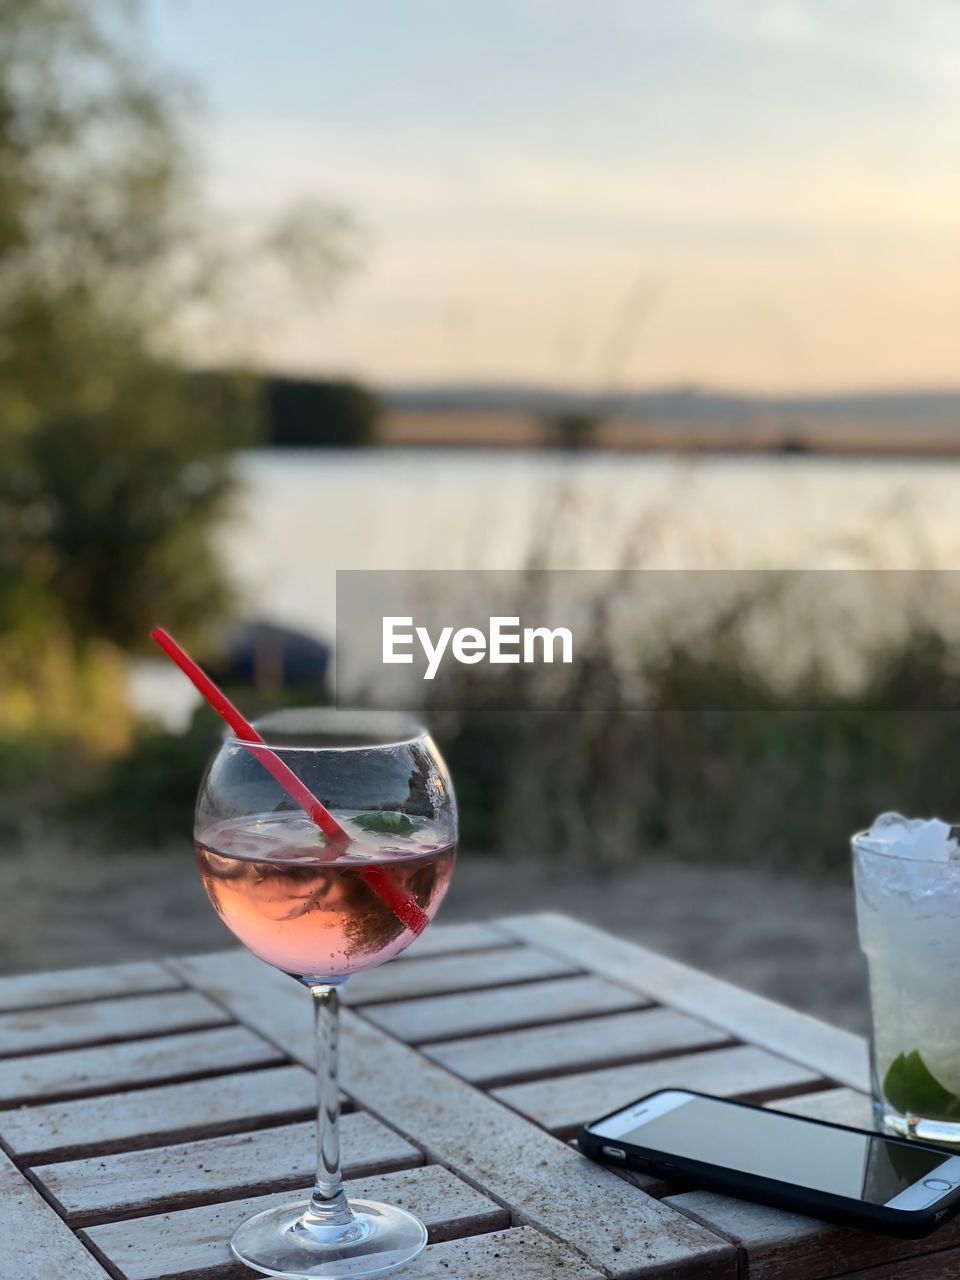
{"x":301,"y":515}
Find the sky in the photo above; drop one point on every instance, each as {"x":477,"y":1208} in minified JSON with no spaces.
{"x":748,"y":194}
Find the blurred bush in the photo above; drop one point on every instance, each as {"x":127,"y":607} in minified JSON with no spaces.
{"x":147,"y":795}
{"x":111,"y":468}
{"x":38,"y":771}
{"x":718,"y":760}
{"x":114,"y":456}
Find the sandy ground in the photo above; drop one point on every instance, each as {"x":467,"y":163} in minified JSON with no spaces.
{"x":786,"y":937}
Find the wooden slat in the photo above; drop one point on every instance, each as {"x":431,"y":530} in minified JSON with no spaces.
{"x":34,"y":1243}
{"x":445,"y":939}
{"x":785,"y":1246}
{"x":75,"y":1072}
{"x":103,"y":1188}
{"x":592,"y":1042}
{"x":522,"y":1254}
{"x":63,"y":986}
{"x":827,"y":1050}
{"x":194,"y":1242}
{"x":564,"y":1103}
{"x":554,"y":1000}
{"x":148,"y":1117}
{"x":431,"y":976}
{"x":30,"y":1030}
{"x":615,"y":1226}
{"x":839,"y":1106}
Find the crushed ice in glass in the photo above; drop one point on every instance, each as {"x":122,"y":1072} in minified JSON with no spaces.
{"x":925,"y":839}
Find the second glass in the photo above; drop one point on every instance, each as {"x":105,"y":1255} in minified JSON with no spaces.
{"x":908,"y":911}
{"x":320,"y":910}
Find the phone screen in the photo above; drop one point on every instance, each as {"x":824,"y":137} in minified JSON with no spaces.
{"x":771,"y":1145}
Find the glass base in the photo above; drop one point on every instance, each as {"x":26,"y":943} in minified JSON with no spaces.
{"x":946,"y":1132}
{"x":379,"y":1238}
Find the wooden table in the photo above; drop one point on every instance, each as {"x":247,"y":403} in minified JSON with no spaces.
{"x":148,"y":1108}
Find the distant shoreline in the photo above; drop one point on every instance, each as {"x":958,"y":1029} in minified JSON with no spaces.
{"x":309,"y":412}
{"x":470,"y":428}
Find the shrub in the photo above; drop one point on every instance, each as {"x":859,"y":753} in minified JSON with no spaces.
{"x":148,"y":794}
{"x":717,"y":760}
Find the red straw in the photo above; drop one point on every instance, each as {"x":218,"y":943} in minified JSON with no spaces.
{"x":407,"y":910}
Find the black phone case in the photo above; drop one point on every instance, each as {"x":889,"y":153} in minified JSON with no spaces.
{"x":908,"y":1224}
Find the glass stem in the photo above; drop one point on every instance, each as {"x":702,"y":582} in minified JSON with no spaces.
{"x":328,"y":1204}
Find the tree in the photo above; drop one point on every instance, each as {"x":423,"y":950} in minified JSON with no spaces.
{"x":110,"y":471}
{"x":113,"y":459}
{"x":302,"y":412}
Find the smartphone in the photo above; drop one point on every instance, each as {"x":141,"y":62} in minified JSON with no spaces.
{"x":861,"y":1179}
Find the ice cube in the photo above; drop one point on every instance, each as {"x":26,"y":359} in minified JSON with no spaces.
{"x":926,"y":839}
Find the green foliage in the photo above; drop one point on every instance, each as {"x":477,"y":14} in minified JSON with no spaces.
{"x":112,"y":468}
{"x":36,"y":770}
{"x":114,"y":459}
{"x":148,"y":794}
{"x":301,"y":412}
{"x":96,"y":197}
{"x":108,"y":512}
{"x":716,"y":762}
{"x":25,"y":757}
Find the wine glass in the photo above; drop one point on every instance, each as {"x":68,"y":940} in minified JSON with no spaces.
{"x":321,"y":908}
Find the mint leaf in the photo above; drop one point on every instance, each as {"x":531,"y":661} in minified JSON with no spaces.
{"x":911,"y":1087}
{"x":387,"y":822}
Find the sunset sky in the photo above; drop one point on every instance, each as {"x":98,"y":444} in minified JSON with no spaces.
{"x":757,"y":194}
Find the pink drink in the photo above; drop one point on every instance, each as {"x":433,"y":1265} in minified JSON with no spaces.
{"x":306,"y":906}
